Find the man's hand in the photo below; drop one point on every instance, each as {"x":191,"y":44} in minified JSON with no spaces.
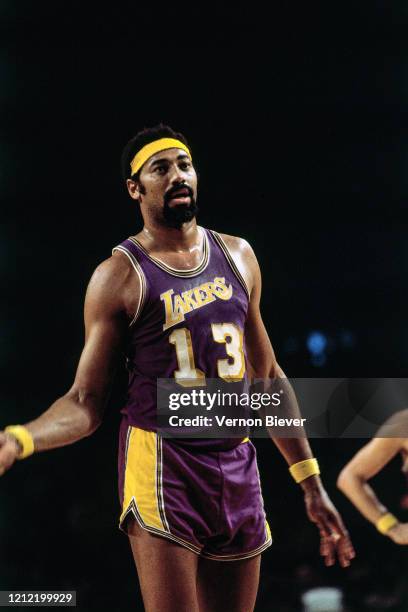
{"x":9,"y":451}
{"x":334,"y":538}
{"x":399,"y":533}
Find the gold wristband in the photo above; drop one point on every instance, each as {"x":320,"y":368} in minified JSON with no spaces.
{"x":23,"y":436}
{"x":303,"y":469}
{"x":386,"y":522}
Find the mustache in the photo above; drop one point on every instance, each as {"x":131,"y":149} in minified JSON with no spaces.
{"x":173,"y":190}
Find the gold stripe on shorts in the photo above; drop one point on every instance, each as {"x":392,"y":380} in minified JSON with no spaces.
{"x":141,"y":484}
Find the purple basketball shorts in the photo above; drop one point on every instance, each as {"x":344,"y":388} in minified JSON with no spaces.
{"x":210,"y":502}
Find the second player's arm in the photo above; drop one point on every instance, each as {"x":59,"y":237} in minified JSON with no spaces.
{"x":79,"y":412}
{"x":353,"y":479}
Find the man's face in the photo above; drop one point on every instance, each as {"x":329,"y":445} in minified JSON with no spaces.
{"x":167,"y":187}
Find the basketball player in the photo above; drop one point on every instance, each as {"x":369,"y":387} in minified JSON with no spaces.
{"x":182,"y":302}
{"x":372,"y":458}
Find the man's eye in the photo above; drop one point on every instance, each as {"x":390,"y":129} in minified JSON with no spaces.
{"x":185,"y":165}
{"x":160,"y":169}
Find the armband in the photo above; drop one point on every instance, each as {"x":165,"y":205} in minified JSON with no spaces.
{"x":24,"y":437}
{"x":303,"y":469}
{"x":386,"y":522}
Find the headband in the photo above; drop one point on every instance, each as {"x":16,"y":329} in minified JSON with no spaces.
{"x":154,"y":147}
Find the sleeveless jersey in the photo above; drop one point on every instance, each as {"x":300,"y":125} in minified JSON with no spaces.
{"x":189,"y":324}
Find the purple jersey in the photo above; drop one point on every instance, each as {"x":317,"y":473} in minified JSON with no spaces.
{"x":189,"y":325}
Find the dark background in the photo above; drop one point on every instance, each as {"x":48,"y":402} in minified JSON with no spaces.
{"x":297,"y":118}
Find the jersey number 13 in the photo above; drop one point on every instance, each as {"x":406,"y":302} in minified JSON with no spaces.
{"x":230,"y":369}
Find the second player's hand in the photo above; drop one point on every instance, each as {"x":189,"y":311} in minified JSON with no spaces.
{"x":399,"y":533}
{"x":8,"y":452}
{"x":334,"y":538}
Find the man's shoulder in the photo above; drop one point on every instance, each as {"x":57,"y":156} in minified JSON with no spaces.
{"x":236,"y":243}
{"x":118,"y":264}
{"x":114,"y":287}
{"x":113,"y":272}
{"x":243,"y":256}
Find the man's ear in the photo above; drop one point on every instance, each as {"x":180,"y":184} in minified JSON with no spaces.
{"x":133,"y":188}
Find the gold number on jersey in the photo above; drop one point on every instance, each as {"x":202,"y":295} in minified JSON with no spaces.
{"x":231,"y":369}
{"x":187,"y":374}
{"x":226,"y":370}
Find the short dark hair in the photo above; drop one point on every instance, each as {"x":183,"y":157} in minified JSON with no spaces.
{"x":143,"y":138}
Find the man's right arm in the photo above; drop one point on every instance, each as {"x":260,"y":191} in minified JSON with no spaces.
{"x":109,"y":306}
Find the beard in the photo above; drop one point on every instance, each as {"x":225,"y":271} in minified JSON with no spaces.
{"x":175,"y":216}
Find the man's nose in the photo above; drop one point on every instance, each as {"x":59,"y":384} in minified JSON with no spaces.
{"x":177,"y":175}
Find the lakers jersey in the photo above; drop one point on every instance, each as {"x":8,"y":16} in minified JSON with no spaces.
{"x":189,"y":325}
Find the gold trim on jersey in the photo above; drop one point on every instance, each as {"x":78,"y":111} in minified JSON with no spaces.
{"x":143,"y":285}
{"x":221,"y":243}
{"x":175,"y":271}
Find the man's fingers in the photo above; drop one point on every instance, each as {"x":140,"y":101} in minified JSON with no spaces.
{"x":336,"y":546}
{"x":345,"y":552}
{"x":335,"y":543}
{"x":327,"y":550}
{"x":344,"y":548}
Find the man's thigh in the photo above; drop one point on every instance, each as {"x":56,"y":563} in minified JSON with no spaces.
{"x":167,"y":572}
{"x":228,"y":586}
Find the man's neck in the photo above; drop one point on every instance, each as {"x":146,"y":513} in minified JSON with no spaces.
{"x":186,"y":238}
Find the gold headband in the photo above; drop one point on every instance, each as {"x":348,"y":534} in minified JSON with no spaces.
{"x":154,"y":147}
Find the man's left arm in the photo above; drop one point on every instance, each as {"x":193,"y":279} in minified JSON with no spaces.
{"x":334,"y":538}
